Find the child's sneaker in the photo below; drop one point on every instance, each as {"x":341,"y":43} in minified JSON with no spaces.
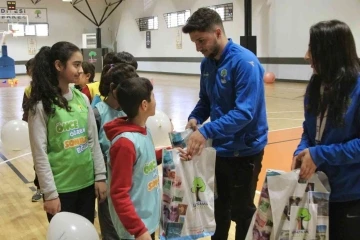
{"x":37,"y":196}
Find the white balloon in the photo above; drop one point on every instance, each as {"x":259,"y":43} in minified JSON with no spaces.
{"x":15,"y":135}
{"x":160,"y":126}
{"x":71,"y":226}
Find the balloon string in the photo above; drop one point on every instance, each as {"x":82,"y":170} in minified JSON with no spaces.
{"x":12,"y":159}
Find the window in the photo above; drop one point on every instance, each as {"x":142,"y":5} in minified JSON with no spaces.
{"x":30,"y":30}
{"x":42,"y":29}
{"x":224,"y":10}
{"x":148,"y":23}
{"x":35,"y":29}
{"x":176,"y":19}
{"x":153,"y":23}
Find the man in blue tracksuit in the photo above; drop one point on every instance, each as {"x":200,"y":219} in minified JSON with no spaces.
{"x":232,"y":95}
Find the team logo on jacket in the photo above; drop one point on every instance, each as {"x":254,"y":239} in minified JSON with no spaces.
{"x":223,"y":74}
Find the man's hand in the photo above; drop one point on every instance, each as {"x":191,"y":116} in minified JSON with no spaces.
{"x":195,"y":144}
{"x":192,"y":123}
{"x":296,"y":163}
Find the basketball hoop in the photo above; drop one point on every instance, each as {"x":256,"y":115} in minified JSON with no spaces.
{"x":15,"y":23}
{"x":4,"y":34}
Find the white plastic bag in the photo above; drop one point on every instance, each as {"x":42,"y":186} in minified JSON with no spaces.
{"x":188,"y":196}
{"x":291,"y":210}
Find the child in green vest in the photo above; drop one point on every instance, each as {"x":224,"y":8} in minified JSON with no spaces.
{"x":63,"y":134}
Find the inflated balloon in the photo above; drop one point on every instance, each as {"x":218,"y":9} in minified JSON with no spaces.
{"x":160,"y":126}
{"x":71,"y":226}
{"x":15,"y":135}
{"x":269,"y":77}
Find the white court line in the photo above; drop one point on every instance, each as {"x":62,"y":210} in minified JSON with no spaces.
{"x":299,"y":89}
{"x":286,"y":112}
{"x":285,"y":129}
{"x":12,"y":159}
{"x":276,"y":130}
{"x":295,"y":119}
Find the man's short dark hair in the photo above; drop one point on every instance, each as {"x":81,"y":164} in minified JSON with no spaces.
{"x":203,"y":20}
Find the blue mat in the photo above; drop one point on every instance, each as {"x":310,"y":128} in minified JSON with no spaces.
{"x":7,"y":65}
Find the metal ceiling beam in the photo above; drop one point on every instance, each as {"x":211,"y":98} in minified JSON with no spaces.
{"x":104,"y":19}
{"x":35,"y":1}
{"x":104,"y":16}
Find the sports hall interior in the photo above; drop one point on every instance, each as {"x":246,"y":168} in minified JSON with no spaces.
{"x":169,"y":58}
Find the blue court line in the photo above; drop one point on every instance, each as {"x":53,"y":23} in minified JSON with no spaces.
{"x":15,"y":170}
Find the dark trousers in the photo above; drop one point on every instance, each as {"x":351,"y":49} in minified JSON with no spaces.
{"x":36,"y":180}
{"x":108,"y":231}
{"x":344,"y":220}
{"x":81,"y":202}
{"x":236,"y":179}
{"x":152,"y":237}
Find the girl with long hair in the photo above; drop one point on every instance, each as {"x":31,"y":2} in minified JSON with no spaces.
{"x":331,"y":137}
{"x":63,"y":135}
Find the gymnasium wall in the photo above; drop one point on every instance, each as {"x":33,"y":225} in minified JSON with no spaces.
{"x":65,"y":24}
{"x":281,"y":27}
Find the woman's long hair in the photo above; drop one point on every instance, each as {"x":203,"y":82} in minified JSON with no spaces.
{"x":44,"y":84}
{"x":336,"y":64}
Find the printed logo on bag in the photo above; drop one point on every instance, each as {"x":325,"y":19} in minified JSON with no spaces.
{"x":302,"y":216}
{"x":198,"y":186}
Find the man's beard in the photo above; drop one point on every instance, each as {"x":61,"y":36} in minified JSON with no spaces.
{"x":214,"y":51}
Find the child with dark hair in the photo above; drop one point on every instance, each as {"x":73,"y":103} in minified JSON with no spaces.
{"x":121,"y":57}
{"x":29,"y":67}
{"x":108,"y":58}
{"x":91,"y":90}
{"x":87,"y":76}
{"x":134,"y":201}
{"x":105,"y":111}
{"x":63,"y":134}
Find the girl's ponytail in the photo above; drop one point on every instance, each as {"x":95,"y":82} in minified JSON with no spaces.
{"x":44,"y":84}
